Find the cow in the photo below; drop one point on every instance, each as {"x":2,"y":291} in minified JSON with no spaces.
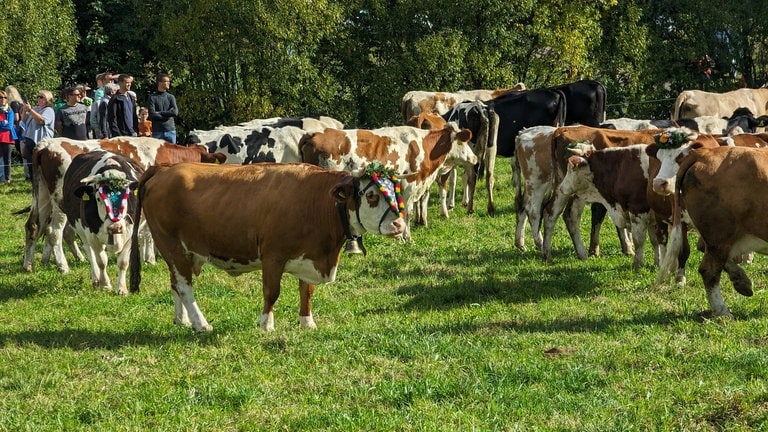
{"x":244,"y":146}
{"x":281,"y":218}
{"x":672,"y":148}
{"x":743,"y":121}
{"x":415,"y":102}
{"x":97,"y":197}
{"x":585,"y":102}
{"x":51,"y":160}
{"x":600,"y":139}
{"x":695,"y":103}
{"x":625,"y":123}
{"x":533,"y":160}
{"x":617,"y":178}
{"x":709,"y":185}
{"x":483,"y":123}
{"x":415,"y":154}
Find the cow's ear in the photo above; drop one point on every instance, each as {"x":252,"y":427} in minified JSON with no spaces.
{"x":84,"y":192}
{"x":576,"y":161}
{"x":464,"y":135}
{"x":651,"y":150}
{"x":342,"y":191}
{"x":696,"y":145}
{"x":133,"y":186}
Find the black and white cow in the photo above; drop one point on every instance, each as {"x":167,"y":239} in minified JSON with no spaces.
{"x":97,"y":196}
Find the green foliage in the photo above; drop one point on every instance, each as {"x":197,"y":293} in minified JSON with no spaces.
{"x":37,"y":40}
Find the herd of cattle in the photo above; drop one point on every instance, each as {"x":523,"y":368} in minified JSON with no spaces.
{"x":132,"y":196}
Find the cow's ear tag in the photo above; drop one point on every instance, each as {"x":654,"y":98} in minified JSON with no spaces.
{"x":136,"y":192}
{"x":86,"y":197}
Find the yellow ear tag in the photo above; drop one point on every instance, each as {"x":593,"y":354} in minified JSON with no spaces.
{"x":136,"y":192}
{"x":86,"y":197}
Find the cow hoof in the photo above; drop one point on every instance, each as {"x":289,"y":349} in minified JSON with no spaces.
{"x":28,"y":268}
{"x":182,"y":323}
{"x":267,"y":322}
{"x":307,"y":322}
{"x":743,"y":287}
{"x":204,"y":328}
{"x":521,"y":247}
{"x":709,"y":314}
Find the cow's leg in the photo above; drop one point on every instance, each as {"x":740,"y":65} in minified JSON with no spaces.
{"x":639,"y":228}
{"x":305,"y":305}
{"x":123,"y":260}
{"x":571,"y":216}
{"x":710,"y":269}
{"x":422,"y":204}
{"x":521,"y":213}
{"x":54,"y":240}
{"x":490,"y":163}
{"x":470,"y":183}
{"x":32,"y":234}
{"x":146,"y":244}
{"x":101,"y":259}
{"x":682,"y":257}
{"x":187,"y":310}
{"x":452,"y":175}
{"x":741,"y":282}
{"x":270,"y":277}
{"x":70,"y":238}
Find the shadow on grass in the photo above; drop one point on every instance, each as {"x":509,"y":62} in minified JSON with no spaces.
{"x":78,"y":339}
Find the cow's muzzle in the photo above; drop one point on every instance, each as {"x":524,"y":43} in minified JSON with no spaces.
{"x":115,"y":228}
{"x":663,"y":186}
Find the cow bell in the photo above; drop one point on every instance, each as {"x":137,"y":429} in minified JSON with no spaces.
{"x":355,"y":246}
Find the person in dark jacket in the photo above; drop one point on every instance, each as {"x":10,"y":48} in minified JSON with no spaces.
{"x":122,"y":117}
{"x":162,"y":110}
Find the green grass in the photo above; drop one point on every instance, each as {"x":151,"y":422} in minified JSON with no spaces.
{"x":456,"y":330}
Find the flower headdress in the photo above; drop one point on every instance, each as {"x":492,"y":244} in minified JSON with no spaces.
{"x":389,"y":185}
{"x":114,"y":192}
{"x":670,"y":139}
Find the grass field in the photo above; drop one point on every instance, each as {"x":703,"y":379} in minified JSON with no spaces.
{"x":455,"y":331}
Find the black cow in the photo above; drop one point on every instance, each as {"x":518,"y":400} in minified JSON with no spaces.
{"x":97,"y":196}
{"x":585,"y":102}
{"x":744,"y":119}
{"x":482,"y":122}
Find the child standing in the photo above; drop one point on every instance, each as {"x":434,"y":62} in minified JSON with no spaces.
{"x":145,"y":126}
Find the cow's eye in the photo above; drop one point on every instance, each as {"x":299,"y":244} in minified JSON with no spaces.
{"x":372,"y":198}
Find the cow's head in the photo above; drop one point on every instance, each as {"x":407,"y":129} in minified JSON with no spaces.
{"x":461,"y":151}
{"x":579,"y":175}
{"x":670,"y":147}
{"x":372,"y":200}
{"x":110,"y":191}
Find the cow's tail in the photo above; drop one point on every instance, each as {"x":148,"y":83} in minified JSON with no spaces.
{"x":561,"y":111}
{"x":135,"y":260}
{"x":681,"y":98}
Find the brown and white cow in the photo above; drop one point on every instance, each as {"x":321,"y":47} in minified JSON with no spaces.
{"x":600,"y":139}
{"x":51,"y":160}
{"x":672,"y":151}
{"x":416,"y":154}
{"x":729,"y":217}
{"x":695,"y":103}
{"x":281,"y":218}
{"x":617,"y":178}
{"x":97,"y":197}
{"x":415,"y":102}
{"x":533,"y":160}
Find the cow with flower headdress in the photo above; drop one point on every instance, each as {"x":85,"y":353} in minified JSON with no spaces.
{"x":98,"y":201}
{"x":280,"y":218}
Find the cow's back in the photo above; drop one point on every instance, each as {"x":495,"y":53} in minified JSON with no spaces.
{"x":239,"y":212}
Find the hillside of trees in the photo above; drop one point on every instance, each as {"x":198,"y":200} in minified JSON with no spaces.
{"x":236,"y":60}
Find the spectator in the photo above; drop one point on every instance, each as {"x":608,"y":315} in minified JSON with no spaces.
{"x":7,"y":137}
{"x":101,"y":108}
{"x":145,"y":126}
{"x":102,"y":80}
{"x":16,"y":103}
{"x":121,"y":110}
{"x":163,"y":110}
{"x":71,"y":118}
{"x":39,"y":121}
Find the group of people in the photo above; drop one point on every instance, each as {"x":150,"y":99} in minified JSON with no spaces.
{"x":113,"y":111}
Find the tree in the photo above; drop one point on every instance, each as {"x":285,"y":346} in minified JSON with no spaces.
{"x":37,"y":40}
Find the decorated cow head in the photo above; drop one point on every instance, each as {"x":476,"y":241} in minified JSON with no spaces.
{"x":110,"y":191}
